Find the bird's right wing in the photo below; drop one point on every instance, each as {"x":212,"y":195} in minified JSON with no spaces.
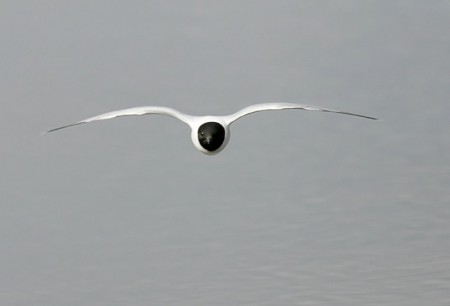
{"x":135,"y":111}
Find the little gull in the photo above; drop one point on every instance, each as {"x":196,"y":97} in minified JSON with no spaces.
{"x":210,"y":134}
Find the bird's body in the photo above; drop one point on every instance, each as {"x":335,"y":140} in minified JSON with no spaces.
{"x":209,"y":134}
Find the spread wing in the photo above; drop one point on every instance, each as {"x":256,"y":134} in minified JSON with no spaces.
{"x":280,"y":105}
{"x":135,"y":111}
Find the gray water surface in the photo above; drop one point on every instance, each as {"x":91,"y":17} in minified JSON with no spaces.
{"x":301,"y":208}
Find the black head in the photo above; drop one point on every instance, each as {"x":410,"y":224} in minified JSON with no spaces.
{"x":211,"y":135}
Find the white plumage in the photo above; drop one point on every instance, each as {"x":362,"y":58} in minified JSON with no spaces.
{"x":210,"y":134}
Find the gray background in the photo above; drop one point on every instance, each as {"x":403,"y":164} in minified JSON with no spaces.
{"x":301,"y":208}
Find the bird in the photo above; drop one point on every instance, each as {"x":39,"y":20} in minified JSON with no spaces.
{"x":209,"y":134}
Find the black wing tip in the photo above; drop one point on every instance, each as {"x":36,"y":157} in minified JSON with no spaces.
{"x":60,"y":128}
{"x":353,"y":114}
{"x":362,"y":116}
{"x":368,"y":117}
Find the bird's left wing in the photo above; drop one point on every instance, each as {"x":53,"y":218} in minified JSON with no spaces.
{"x":135,"y":111}
{"x":280,"y":105}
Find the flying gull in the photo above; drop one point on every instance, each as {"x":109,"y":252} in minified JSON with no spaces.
{"x":210,"y":134}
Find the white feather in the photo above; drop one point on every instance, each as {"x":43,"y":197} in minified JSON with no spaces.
{"x":199,"y":124}
{"x":135,"y":111}
{"x":280,"y":106}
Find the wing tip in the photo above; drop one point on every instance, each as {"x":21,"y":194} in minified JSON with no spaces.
{"x":60,"y":128}
{"x":368,"y":117}
{"x":351,"y":114}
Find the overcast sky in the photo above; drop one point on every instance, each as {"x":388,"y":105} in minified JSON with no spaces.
{"x":301,"y":208}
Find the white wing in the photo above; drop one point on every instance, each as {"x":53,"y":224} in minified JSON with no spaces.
{"x":135,"y":111}
{"x":280,"y":105}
